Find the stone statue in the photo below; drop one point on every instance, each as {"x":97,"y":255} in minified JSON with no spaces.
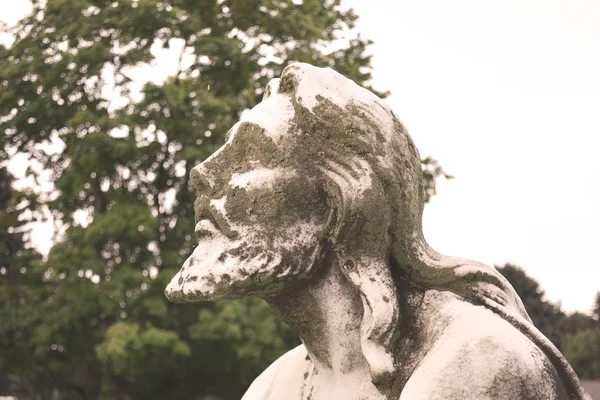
{"x":314,"y":204}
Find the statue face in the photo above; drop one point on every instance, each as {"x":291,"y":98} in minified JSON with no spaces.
{"x":260,"y":219}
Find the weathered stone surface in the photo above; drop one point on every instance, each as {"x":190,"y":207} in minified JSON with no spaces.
{"x":314,"y":204}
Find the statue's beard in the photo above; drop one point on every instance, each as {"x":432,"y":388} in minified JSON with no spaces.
{"x":222,"y":268}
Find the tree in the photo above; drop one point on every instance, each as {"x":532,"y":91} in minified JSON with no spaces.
{"x":121,"y":190}
{"x":432,"y":170}
{"x":20,"y":290}
{"x":120,"y":150}
{"x":547,"y":317}
{"x":582,"y":349}
{"x":576,"y":322}
{"x":596,"y":307}
{"x":577,"y":335}
{"x":582,"y":342}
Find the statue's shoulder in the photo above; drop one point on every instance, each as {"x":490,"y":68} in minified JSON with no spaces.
{"x":481,"y":355}
{"x":285,"y":376}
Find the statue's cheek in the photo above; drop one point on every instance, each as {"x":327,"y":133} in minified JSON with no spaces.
{"x":297,"y":200}
{"x":283,"y":204}
{"x":239,"y":206}
{"x":306,"y":200}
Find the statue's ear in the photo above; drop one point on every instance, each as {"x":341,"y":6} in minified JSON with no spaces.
{"x":359,"y":223}
{"x":361,"y":216}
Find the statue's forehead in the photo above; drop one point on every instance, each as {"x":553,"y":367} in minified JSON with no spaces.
{"x":276,"y":111}
{"x":314,"y":84}
{"x":274,"y":114}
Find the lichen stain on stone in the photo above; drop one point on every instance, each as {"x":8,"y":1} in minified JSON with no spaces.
{"x":288,"y":82}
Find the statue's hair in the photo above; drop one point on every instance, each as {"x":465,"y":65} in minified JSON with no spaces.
{"x":372,"y":173}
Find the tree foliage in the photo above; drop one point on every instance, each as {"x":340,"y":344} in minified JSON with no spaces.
{"x":577,"y":335}
{"x":20,"y":292}
{"x":432,"y":170}
{"x":596,"y":307}
{"x":582,"y":349}
{"x":90,"y":321}
{"x":547,"y":317}
{"x":582,"y":342}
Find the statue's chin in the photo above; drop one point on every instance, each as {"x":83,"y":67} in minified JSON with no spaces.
{"x":220,"y":269}
{"x":183,"y":291}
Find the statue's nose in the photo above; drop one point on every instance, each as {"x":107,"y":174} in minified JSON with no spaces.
{"x":200,"y":178}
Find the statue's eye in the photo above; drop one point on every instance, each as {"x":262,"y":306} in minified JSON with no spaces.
{"x":252,"y":151}
{"x":248,"y":148}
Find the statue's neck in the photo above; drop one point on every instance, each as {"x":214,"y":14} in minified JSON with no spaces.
{"x":326,"y":312}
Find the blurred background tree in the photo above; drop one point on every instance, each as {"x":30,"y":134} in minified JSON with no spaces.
{"x":582,"y":349}
{"x":577,"y":334}
{"x":116,"y":136}
{"x":547,"y":317}
{"x":596,"y":309}
{"x":582,"y":342}
{"x":21,"y":288}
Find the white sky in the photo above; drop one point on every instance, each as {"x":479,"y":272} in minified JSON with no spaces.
{"x":506,"y":95}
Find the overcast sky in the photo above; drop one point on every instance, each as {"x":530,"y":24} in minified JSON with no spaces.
{"x":506,"y":95}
